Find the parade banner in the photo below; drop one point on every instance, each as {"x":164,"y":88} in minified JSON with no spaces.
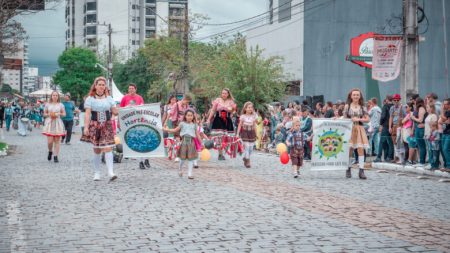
{"x":387,"y":54}
{"x":141,"y":131}
{"x":330,"y":147}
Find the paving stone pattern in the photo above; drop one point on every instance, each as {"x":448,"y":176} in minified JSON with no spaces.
{"x":48,"y":207}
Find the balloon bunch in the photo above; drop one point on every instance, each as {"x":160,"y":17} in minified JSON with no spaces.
{"x":282,"y":151}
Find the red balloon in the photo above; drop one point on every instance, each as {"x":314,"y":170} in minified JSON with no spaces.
{"x":284,"y":158}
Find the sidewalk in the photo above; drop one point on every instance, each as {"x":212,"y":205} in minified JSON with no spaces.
{"x":409,"y":169}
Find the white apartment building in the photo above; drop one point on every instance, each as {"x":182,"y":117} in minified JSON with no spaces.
{"x":282,"y":34}
{"x":15,"y":69}
{"x":30,"y":82}
{"x":132,"y":21}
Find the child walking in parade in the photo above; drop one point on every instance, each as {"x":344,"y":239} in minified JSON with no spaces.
{"x":187,"y":151}
{"x":247,"y":130}
{"x":296,"y":141}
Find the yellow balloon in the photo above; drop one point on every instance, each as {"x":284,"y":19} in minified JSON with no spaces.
{"x":281,"y":148}
{"x":205,"y":155}
{"x":117,"y":140}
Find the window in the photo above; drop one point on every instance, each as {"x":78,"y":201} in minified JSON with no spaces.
{"x":150,"y":10}
{"x":149,"y":33}
{"x":136,"y":19}
{"x":176,"y":11}
{"x":294,"y":88}
{"x":150,"y":22}
{"x":91,"y":18}
{"x":150,"y":1}
{"x":91,"y":30}
{"x":284,"y":13}
{"x":91,"y":6}
{"x":135,"y":7}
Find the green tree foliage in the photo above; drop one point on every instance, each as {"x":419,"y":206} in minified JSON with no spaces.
{"x":135,"y":70}
{"x":249,"y":75}
{"x":77,"y":72}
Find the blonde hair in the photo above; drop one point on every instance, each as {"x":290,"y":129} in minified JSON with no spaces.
{"x":50,"y":100}
{"x":230,"y":96}
{"x":244,"y":108}
{"x":295,"y":119}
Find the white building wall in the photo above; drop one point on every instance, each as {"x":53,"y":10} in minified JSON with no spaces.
{"x":285,"y":39}
{"x":162,"y":27}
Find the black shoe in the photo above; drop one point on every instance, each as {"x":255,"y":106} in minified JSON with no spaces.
{"x":378,"y":160}
{"x":141,"y":166}
{"x":49,"y":157}
{"x":388,"y":160}
{"x":147,"y":163}
{"x":221,"y":158}
{"x":55,"y":159}
{"x":348,"y":173}
{"x":361,"y":174}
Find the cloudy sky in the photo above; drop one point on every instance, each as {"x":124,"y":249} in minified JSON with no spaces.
{"x":46,"y":30}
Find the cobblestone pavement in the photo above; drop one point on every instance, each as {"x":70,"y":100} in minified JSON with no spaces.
{"x":48,"y":207}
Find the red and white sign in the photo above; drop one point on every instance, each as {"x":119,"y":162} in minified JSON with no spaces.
{"x":362,"y":46}
{"x":387,"y":54}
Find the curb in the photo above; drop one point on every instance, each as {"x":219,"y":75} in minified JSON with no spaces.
{"x":410,"y":169}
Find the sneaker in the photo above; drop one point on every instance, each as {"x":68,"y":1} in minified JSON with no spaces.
{"x":114,"y":177}
{"x":96,"y":177}
{"x":67,"y":143}
{"x":195,"y":166}
{"x":409,"y":163}
{"x":55,"y":159}
{"x":141,"y":166}
{"x":177,"y":159}
{"x":221,"y":158}
{"x":190,"y":177}
{"x":428,"y":167}
{"x":147,"y":163}
{"x":388,"y":160}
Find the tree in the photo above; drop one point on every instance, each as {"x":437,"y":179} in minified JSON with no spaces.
{"x":249,"y":75}
{"x":77,"y":72}
{"x":135,"y":70}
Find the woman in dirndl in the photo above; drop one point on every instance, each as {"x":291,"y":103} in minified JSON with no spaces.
{"x":99,"y":109}
{"x":222,"y":125}
{"x":356,"y":111}
{"x":53,"y":125}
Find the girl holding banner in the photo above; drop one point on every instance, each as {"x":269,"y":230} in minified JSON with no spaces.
{"x":188,"y":131}
{"x":356,"y":111}
{"x":98,"y":130}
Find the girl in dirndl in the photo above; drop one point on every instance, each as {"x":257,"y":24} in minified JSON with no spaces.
{"x":356,"y":111}
{"x":188,"y":131}
{"x":99,"y":109}
{"x":247,"y":130}
{"x":53,"y":125}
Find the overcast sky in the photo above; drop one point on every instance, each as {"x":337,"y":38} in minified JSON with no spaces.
{"x":46,"y":30}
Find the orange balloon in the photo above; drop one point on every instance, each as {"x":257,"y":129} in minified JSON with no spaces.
{"x":205,"y":155}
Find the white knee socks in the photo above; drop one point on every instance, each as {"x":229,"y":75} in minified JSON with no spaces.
{"x":361,"y":162}
{"x":190,"y":166}
{"x":96,"y":161}
{"x":109,"y":163}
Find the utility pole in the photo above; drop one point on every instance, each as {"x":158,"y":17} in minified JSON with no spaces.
{"x":185,"y":68}
{"x":109,"y":57}
{"x":410,"y":58}
{"x":444,"y":25}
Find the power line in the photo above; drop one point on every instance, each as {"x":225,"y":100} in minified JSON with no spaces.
{"x":245,"y":25}
{"x":251,"y":23}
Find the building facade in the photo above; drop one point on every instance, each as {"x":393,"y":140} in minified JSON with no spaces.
{"x":324,"y":31}
{"x":15,"y":68}
{"x":132,"y":21}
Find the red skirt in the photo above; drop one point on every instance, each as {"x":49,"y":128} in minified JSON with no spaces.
{"x":101,"y":135}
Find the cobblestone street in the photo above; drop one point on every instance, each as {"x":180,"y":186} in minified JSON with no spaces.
{"x":56,"y":207}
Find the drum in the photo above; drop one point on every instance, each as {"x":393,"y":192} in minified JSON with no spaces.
{"x":25,"y":120}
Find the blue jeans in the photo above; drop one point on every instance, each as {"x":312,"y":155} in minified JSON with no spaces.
{"x":446,"y":149}
{"x":375,"y":140}
{"x":418,"y":134}
{"x":386,"y":144}
{"x":434,"y":159}
{"x":8,"y":119}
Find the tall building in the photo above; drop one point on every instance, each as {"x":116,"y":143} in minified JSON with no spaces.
{"x":30,"y":82}
{"x":15,"y":67}
{"x":132,"y":21}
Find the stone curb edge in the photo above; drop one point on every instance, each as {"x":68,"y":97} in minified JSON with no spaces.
{"x":410,"y":169}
